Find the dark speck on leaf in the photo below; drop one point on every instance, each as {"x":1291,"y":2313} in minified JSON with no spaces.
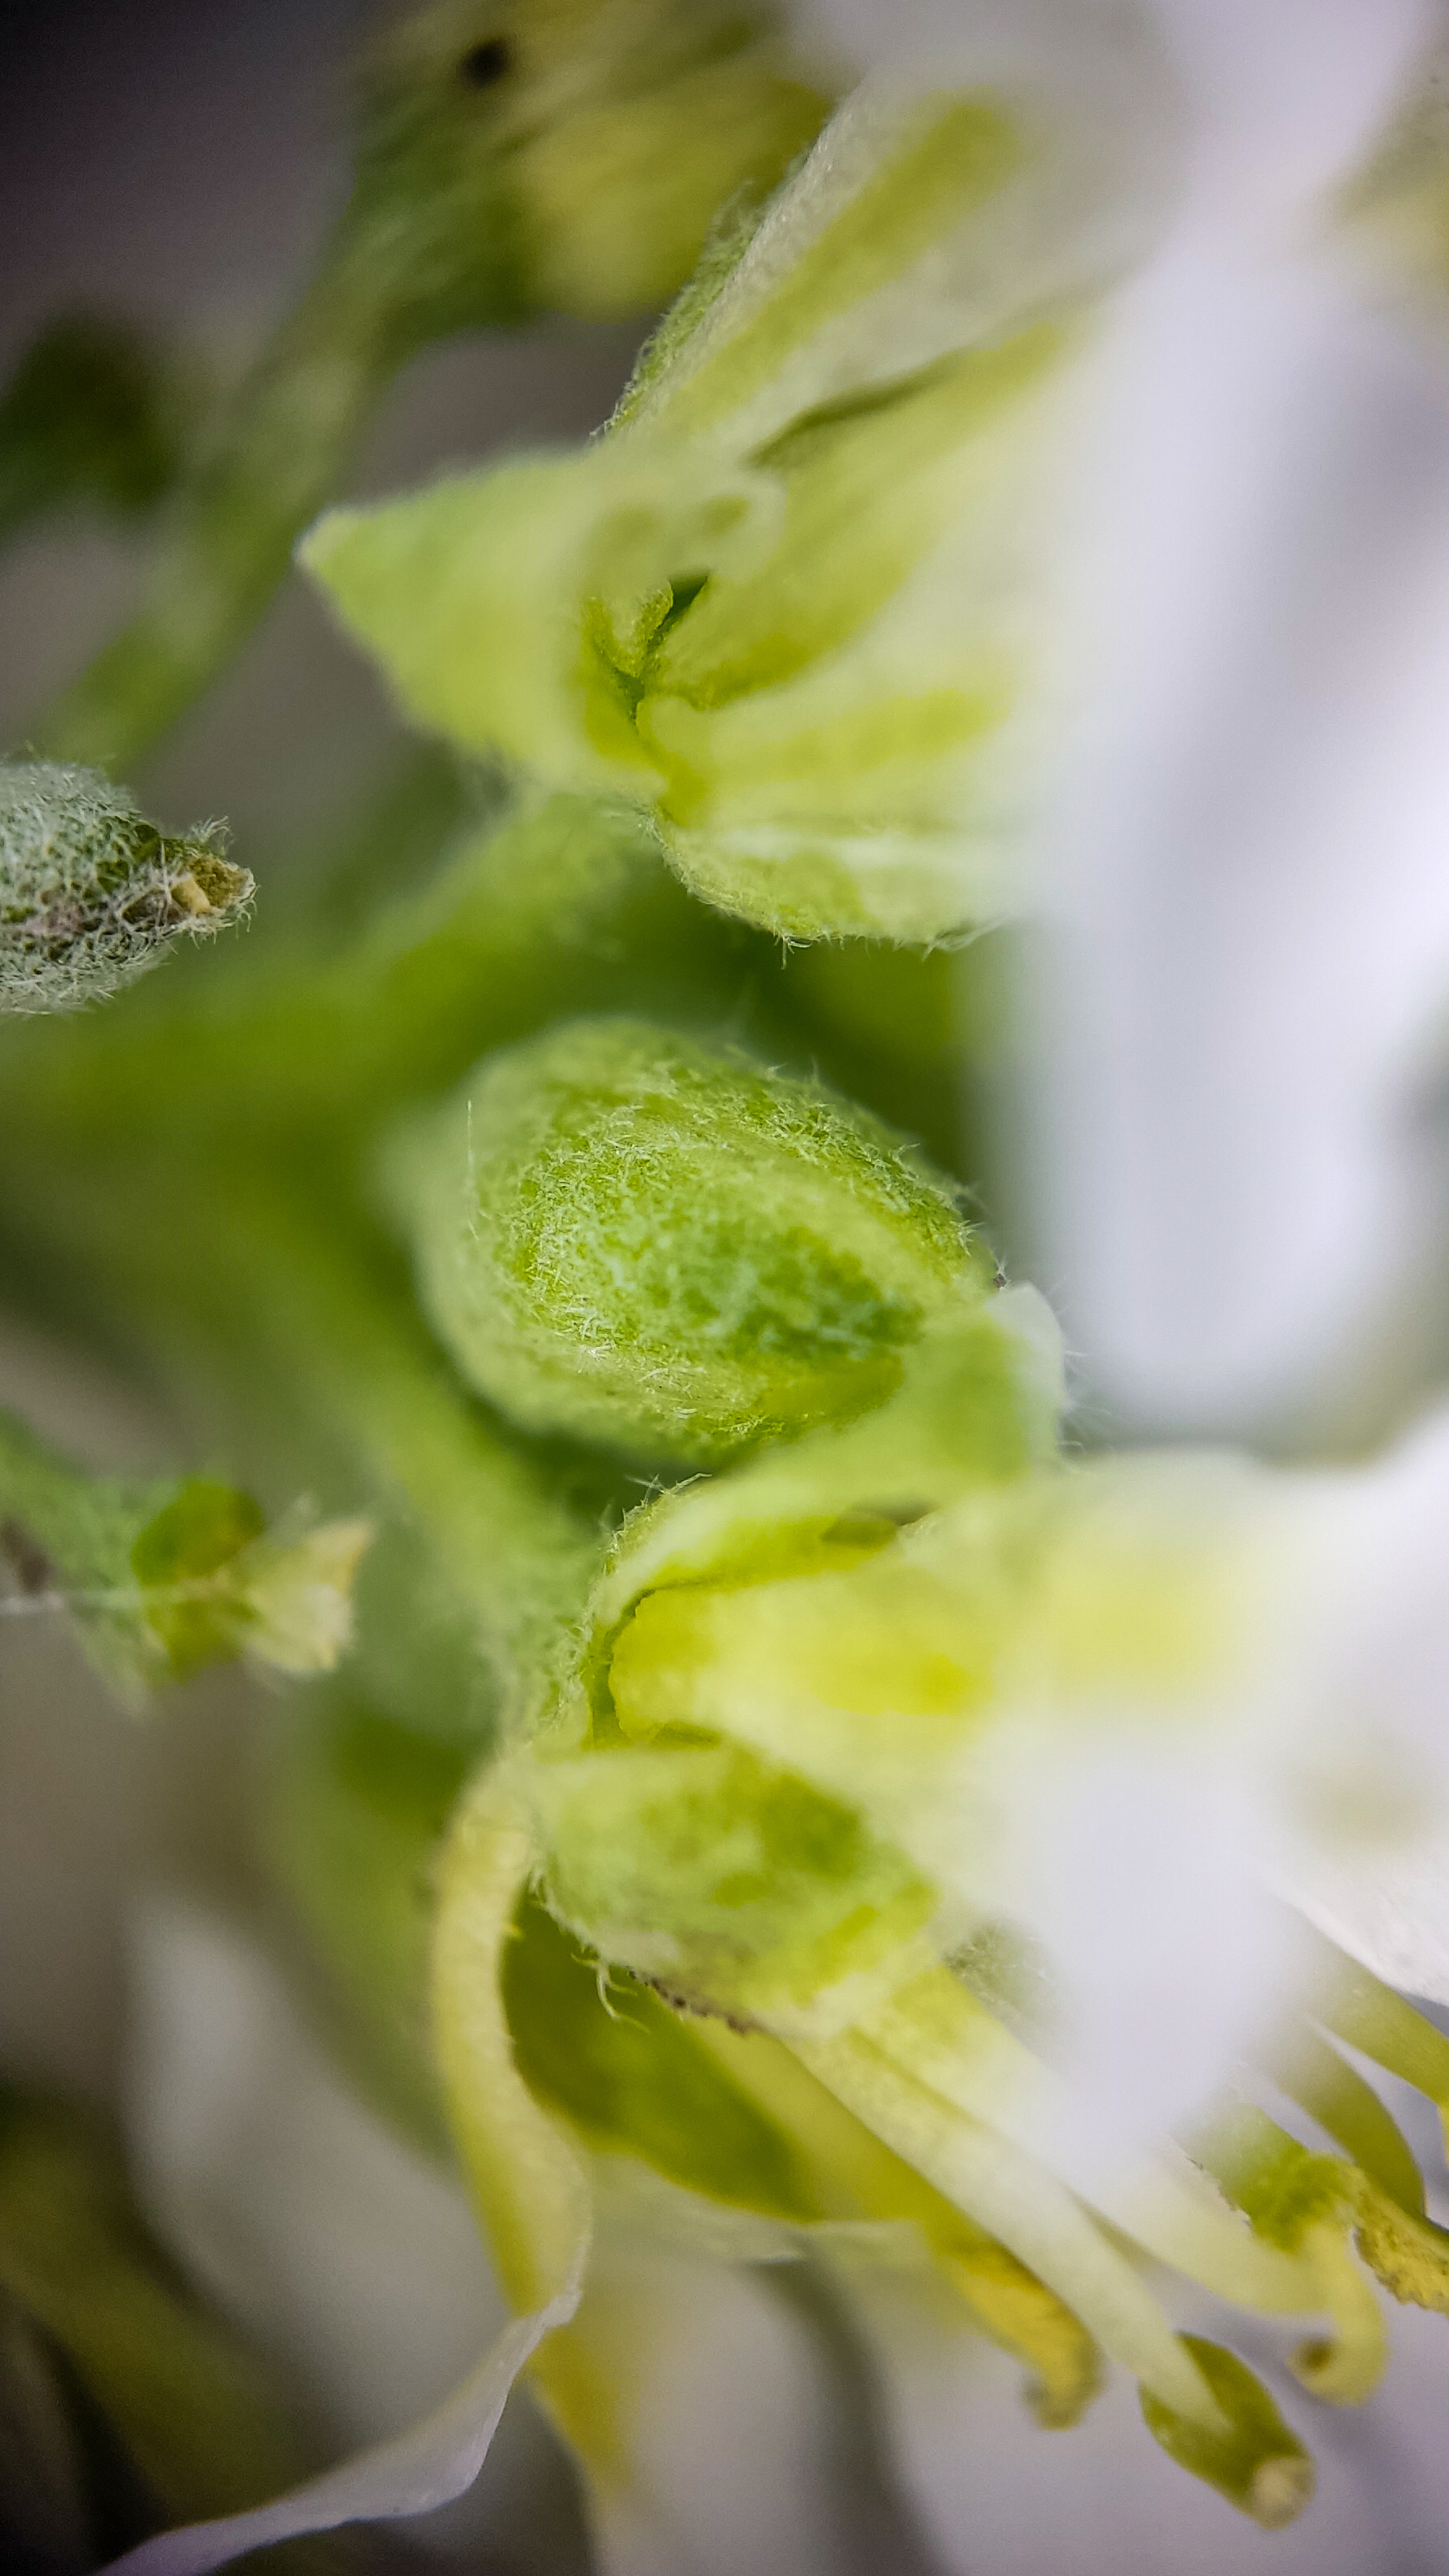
{"x":485,"y":64}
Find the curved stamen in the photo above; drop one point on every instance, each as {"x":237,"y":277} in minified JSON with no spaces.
{"x":1025,"y":2208}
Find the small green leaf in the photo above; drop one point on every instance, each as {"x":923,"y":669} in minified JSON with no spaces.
{"x":201,"y":1529}
{"x":91,"y":894}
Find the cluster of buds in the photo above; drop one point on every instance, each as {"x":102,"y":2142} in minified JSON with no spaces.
{"x":962,"y":1812}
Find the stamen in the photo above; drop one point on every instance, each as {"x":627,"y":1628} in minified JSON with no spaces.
{"x":1308,"y":2205}
{"x":1019,"y":2311}
{"x":1027,"y":2209}
{"x":956,"y":2047}
{"x":1370,"y":2016}
{"x":1313,"y":2075}
{"x":1260,"y":2466}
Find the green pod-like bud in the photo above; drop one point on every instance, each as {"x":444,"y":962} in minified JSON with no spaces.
{"x":631,"y":1237}
{"x":91,"y":893}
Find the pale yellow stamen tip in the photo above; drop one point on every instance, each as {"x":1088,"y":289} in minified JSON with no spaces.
{"x":1278,"y":2491}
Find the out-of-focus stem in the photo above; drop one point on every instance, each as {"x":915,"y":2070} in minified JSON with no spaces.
{"x":282,"y":1322}
{"x":278,"y":453}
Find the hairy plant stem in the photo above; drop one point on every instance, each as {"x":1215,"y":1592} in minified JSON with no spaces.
{"x":283,"y":1328}
{"x":277,"y":455}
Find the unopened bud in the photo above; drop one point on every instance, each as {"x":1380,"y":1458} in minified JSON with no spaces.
{"x":630,"y":1237}
{"x":91,"y":893}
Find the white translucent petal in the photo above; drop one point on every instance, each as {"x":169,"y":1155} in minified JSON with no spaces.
{"x":1254,"y":952}
{"x":1389,"y":1909}
{"x":431,"y":2465}
{"x":308,"y":2219}
{"x":730,"y":2441}
{"x":1288,"y":94}
{"x":312,"y":2224}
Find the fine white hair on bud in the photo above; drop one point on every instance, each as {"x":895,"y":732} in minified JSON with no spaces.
{"x":91,"y":893}
{"x":629,"y":1236}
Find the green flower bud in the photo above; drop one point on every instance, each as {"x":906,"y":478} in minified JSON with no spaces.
{"x":791,"y":1786}
{"x":566,"y":155}
{"x":637,"y":1239}
{"x":513,"y":156}
{"x":91,"y":894}
{"x":798,"y":601}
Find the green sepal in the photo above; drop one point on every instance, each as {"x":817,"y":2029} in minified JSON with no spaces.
{"x":528,"y":2175}
{"x":977,"y":1407}
{"x":729,"y":1883}
{"x":1259,"y":2465}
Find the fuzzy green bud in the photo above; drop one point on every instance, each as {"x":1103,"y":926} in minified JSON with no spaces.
{"x":635,"y":1238}
{"x":91,"y":893}
{"x":513,"y":156}
{"x":800,"y":601}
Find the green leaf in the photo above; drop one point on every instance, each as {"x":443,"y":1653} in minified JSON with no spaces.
{"x":201,"y":1529}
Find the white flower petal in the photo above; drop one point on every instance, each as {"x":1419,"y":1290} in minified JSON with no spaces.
{"x":431,"y":2465}
{"x":313,"y":2225}
{"x":1255,"y":950}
